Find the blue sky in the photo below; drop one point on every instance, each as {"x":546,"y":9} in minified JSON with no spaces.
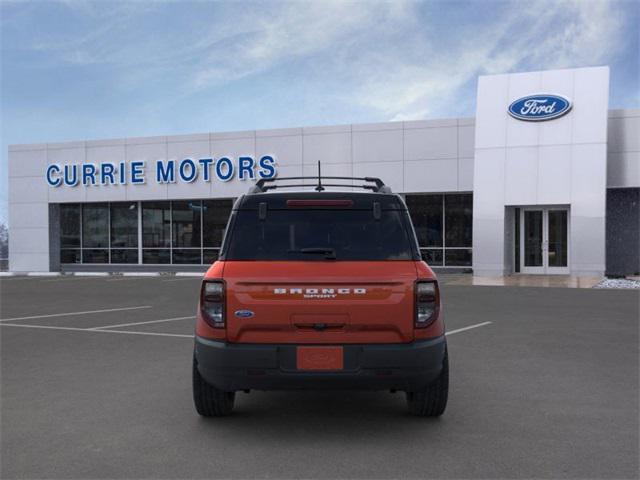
{"x":74,"y":70}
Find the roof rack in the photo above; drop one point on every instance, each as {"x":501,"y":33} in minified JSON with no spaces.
{"x":377,"y":186}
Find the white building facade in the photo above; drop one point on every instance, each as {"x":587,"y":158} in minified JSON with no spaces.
{"x":545,"y":179}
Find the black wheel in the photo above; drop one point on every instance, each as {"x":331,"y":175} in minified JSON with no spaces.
{"x":210,"y":401}
{"x":432,"y":401}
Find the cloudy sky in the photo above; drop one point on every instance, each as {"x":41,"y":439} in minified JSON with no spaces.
{"x":74,"y":70}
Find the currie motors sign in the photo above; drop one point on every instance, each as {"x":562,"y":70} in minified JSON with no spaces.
{"x":540,"y":107}
{"x":162,"y":171}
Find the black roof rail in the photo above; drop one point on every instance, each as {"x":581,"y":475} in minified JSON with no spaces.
{"x":261,"y":185}
{"x":378,"y":186}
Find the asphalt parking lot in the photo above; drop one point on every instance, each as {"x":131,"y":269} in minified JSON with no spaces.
{"x":96,"y":383}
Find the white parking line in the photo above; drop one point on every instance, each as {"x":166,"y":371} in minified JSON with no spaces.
{"x":74,"y":313}
{"x":464,"y":329}
{"x":142,"y":323}
{"x":159,"y":334}
{"x":74,"y":329}
{"x":181,"y":279}
{"x":72,"y":278}
{"x":124,"y":279}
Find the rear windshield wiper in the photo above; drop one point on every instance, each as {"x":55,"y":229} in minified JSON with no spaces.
{"x":329,"y":253}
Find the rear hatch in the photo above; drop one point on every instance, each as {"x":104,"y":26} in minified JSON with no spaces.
{"x":320,"y":268}
{"x":320,"y":302}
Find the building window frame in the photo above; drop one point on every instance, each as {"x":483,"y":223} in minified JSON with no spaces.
{"x":443,"y":248}
{"x":203,"y":250}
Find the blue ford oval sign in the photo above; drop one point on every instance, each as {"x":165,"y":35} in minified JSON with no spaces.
{"x":536,"y":108}
{"x":243,"y":313}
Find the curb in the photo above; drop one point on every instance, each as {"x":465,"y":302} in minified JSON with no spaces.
{"x":102,"y":274}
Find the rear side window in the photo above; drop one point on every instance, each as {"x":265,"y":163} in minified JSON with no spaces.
{"x":311,"y":234}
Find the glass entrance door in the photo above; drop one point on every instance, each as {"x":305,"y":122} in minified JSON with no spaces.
{"x":544,"y":240}
{"x":533,"y":240}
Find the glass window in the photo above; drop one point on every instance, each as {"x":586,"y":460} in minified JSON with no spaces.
{"x":69,"y":226}
{"x":156,"y":224}
{"x":457,"y":257}
{"x":95,"y":256}
{"x":558,"y":245}
{"x":156,"y":255}
{"x":210,"y":255}
{"x":70,"y":255}
{"x":215,"y":214}
{"x":186,"y":224}
{"x":124,"y":225}
{"x":186,"y":255}
{"x":127,"y":255}
{"x":426,"y":215}
{"x":433,"y":256}
{"x":303,"y":234}
{"x":458,"y":214}
{"x":95,"y":226}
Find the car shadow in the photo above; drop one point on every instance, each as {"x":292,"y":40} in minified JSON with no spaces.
{"x":291,"y":415}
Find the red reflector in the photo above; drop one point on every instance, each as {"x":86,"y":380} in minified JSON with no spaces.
{"x":319,"y":203}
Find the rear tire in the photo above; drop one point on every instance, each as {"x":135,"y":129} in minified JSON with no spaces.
{"x":210,"y":401}
{"x":432,"y":401}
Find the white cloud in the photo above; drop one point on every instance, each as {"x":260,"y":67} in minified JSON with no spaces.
{"x":389,"y":57}
{"x":294,"y":31}
{"x":532,"y":35}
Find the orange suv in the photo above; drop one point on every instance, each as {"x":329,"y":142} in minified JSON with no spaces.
{"x":316,"y":290}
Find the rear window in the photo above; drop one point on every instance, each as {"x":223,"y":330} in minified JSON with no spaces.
{"x":311,"y":234}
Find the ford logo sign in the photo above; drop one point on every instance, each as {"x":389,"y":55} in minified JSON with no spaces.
{"x":243,"y":313}
{"x":536,"y":108}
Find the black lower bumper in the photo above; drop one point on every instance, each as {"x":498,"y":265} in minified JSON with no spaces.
{"x":231,"y":367}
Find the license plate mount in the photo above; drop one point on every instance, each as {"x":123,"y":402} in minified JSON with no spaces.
{"x":320,"y":359}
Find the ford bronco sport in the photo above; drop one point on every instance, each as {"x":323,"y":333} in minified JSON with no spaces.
{"x":319,"y":289}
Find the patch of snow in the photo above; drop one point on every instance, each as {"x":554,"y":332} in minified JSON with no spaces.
{"x":625,"y":283}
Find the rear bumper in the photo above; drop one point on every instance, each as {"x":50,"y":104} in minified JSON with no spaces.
{"x":231,"y":367}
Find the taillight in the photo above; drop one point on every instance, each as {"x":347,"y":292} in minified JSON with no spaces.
{"x":212,"y":298}
{"x":427,"y":303}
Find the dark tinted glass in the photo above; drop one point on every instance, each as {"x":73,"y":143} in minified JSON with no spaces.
{"x":457,"y":258}
{"x":458,"y":212}
{"x":350,"y":234}
{"x":186,"y":255}
{"x":533,"y":238}
{"x":124,"y":225}
{"x":558,"y":245}
{"x":209,"y":255}
{"x":70,"y":256}
{"x":156,"y":256}
{"x":69,"y":226}
{"x":426,"y":215}
{"x":124,"y":256}
{"x":186,"y":223}
{"x":95,"y":225}
{"x":215,"y":214}
{"x":156,"y":224}
{"x":95,"y":256}
{"x":432,"y":256}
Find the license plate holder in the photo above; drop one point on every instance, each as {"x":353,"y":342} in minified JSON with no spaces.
{"x":320,"y":359}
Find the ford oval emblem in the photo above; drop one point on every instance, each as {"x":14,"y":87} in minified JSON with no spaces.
{"x":536,"y":108}
{"x":243,"y":313}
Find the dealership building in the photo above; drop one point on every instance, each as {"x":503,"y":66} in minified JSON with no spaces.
{"x":544,"y":180}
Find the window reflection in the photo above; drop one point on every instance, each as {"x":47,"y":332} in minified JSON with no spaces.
{"x":426,"y":215}
{"x":458,"y":220}
{"x":124,"y":225}
{"x":186,"y":224}
{"x":156,"y":224}
{"x":215,"y":214}
{"x":444,"y":224}
{"x":95,"y":225}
